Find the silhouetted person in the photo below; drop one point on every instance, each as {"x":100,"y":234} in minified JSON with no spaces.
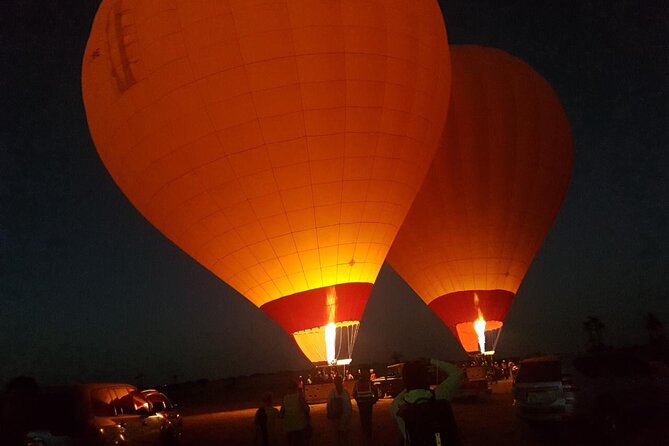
{"x":365,"y":397}
{"x":295,"y":414}
{"x":339,"y":410}
{"x":267,"y":423}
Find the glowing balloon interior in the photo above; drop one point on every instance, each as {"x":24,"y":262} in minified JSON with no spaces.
{"x":279,"y":143}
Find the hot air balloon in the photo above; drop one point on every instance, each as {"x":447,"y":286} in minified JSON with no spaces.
{"x":490,"y":197}
{"x":278,"y":143}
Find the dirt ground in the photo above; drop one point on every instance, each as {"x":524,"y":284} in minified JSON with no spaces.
{"x":483,"y":422}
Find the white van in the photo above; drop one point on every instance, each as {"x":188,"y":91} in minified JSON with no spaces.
{"x":606,"y":388}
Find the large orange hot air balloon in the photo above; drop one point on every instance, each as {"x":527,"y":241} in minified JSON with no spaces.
{"x":279,"y":143}
{"x":491,"y":194}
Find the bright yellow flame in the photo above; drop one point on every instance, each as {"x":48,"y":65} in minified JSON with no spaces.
{"x":479,"y":325}
{"x":312,"y":341}
{"x":479,"y":328}
{"x":330,"y":337}
{"x":331,"y":328}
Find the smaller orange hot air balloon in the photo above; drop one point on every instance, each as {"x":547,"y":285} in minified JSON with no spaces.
{"x":492,"y":193}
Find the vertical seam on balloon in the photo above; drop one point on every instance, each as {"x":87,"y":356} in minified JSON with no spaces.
{"x":232,"y":14}
{"x":455,"y":277}
{"x":167,"y":126}
{"x":530,"y":83}
{"x":509,"y":230}
{"x":499,"y":258}
{"x":207,"y":191}
{"x":341,"y":203}
{"x":344,"y":156}
{"x":365,"y":260}
{"x":473,"y":213}
{"x":505,"y":258}
{"x":386,"y":244}
{"x":434,"y":175}
{"x":507,"y":87}
{"x":533,"y":239}
{"x":419,"y":60}
{"x":343,"y":174}
{"x":306,"y":142}
{"x":488,"y":197}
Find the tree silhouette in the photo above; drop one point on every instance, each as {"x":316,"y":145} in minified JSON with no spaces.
{"x":653,"y":326}
{"x":657,"y":340}
{"x":594,"y":330}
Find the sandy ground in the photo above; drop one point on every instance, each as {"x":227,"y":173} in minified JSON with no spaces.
{"x":489,"y":421}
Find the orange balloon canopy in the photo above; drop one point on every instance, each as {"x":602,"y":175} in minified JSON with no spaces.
{"x":279,"y":143}
{"x":492,"y":192}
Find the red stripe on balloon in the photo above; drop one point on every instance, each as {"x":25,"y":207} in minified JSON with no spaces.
{"x":308,"y":309}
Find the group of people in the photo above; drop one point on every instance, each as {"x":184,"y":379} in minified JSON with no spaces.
{"x":496,"y":370}
{"x":325,"y":376}
{"x":423,"y":416}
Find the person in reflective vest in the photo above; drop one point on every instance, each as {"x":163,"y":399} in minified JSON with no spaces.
{"x":295,"y":414}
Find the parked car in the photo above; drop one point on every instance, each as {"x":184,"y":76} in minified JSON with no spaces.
{"x":603,"y":388}
{"x":475,"y":383}
{"x":163,"y":407}
{"x":391,"y":384}
{"x":101,"y":415}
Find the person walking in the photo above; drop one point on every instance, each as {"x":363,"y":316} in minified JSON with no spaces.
{"x":365,"y":396}
{"x":505,"y":369}
{"x":295,"y":414}
{"x":339,"y":410}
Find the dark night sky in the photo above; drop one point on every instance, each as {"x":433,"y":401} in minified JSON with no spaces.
{"x":90,"y":291}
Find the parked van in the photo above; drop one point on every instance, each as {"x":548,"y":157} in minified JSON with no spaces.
{"x":605,"y":388}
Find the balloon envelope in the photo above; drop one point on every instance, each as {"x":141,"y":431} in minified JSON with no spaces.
{"x":492,"y":192}
{"x":279,"y":143}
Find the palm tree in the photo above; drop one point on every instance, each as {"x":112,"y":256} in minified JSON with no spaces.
{"x":653,"y":326}
{"x":594,"y":330}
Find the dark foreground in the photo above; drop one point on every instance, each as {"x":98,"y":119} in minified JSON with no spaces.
{"x":484,"y":422}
